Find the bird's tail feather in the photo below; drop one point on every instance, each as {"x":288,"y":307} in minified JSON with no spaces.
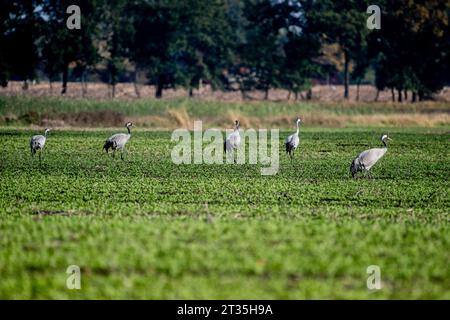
{"x":353,"y":168}
{"x":288,"y":147}
{"x":107,"y":145}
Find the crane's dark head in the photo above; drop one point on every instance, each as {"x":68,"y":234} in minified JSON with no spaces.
{"x":237,"y":124}
{"x":298,"y":121}
{"x":47,"y":130}
{"x":129,"y":124}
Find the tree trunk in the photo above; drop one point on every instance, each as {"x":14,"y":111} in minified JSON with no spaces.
{"x":136,"y":88}
{"x":25,"y":85}
{"x":289,"y":95}
{"x":302,"y":96}
{"x":393,"y":94}
{"x":406,"y":95}
{"x":414,"y":97}
{"x":420,"y":94}
{"x":113,"y":90}
{"x":346,"y":74}
{"x":296,"y":96}
{"x":377,"y":96}
{"x":159,"y":90}
{"x":309,"y":94}
{"x":191,"y":92}
{"x":266,"y":93}
{"x":65,"y":78}
{"x":83,"y":84}
{"x":357,"y":90}
{"x":400,"y":95}
{"x":50,"y":86}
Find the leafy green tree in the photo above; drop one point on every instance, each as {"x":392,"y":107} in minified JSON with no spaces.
{"x":5,"y":52}
{"x":413,"y":47}
{"x":203,"y":42}
{"x":116,"y":32}
{"x":281,"y":42}
{"x":154,"y":24}
{"x":263,"y":51}
{"x":21,"y":30}
{"x":62,"y":47}
{"x":301,"y":47}
{"x":344,"y":22}
{"x":181,"y":43}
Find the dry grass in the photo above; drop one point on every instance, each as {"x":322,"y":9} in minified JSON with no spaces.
{"x":74,"y":119}
{"x":180,"y":118}
{"x":310,"y":120}
{"x":328,"y":110}
{"x":402,"y":120}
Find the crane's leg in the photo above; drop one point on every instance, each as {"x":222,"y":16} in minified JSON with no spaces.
{"x":114,"y":153}
{"x":40,"y":162}
{"x":121,"y":153}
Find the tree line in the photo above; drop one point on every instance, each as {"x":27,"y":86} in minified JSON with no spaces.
{"x":239,"y":45}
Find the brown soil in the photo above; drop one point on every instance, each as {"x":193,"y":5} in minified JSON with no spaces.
{"x":126,"y":91}
{"x":76,"y":119}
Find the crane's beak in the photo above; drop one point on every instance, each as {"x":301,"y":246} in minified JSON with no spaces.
{"x":389,"y":139}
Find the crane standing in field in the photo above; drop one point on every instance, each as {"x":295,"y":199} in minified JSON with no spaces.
{"x":233,"y":140}
{"x":118,"y":141}
{"x":293,"y":140}
{"x":37,"y":143}
{"x":366,"y":159}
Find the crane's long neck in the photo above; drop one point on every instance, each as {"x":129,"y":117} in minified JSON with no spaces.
{"x":298,"y":128}
{"x":129,"y":130}
{"x":385,"y":144}
{"x":45,"y":134}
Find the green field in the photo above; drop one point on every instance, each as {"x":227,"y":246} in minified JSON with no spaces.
{"x":146,"y":228}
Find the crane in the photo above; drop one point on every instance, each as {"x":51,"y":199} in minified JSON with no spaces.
{"x":293,"y":140}
{"x":118,"y":141}
{"x":367,"y":159}
{"x":233,"y":140}
{"x":37,"y":143}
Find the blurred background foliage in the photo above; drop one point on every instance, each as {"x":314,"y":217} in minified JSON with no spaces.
{"x":229,"y":44}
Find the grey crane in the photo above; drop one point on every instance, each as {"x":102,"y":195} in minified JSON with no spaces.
{"x":37,"y":143}
{"x":117,"y":141}
{"x":233,"y":140}
{"x":367,"y":159}
{"x":293,"y":140}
